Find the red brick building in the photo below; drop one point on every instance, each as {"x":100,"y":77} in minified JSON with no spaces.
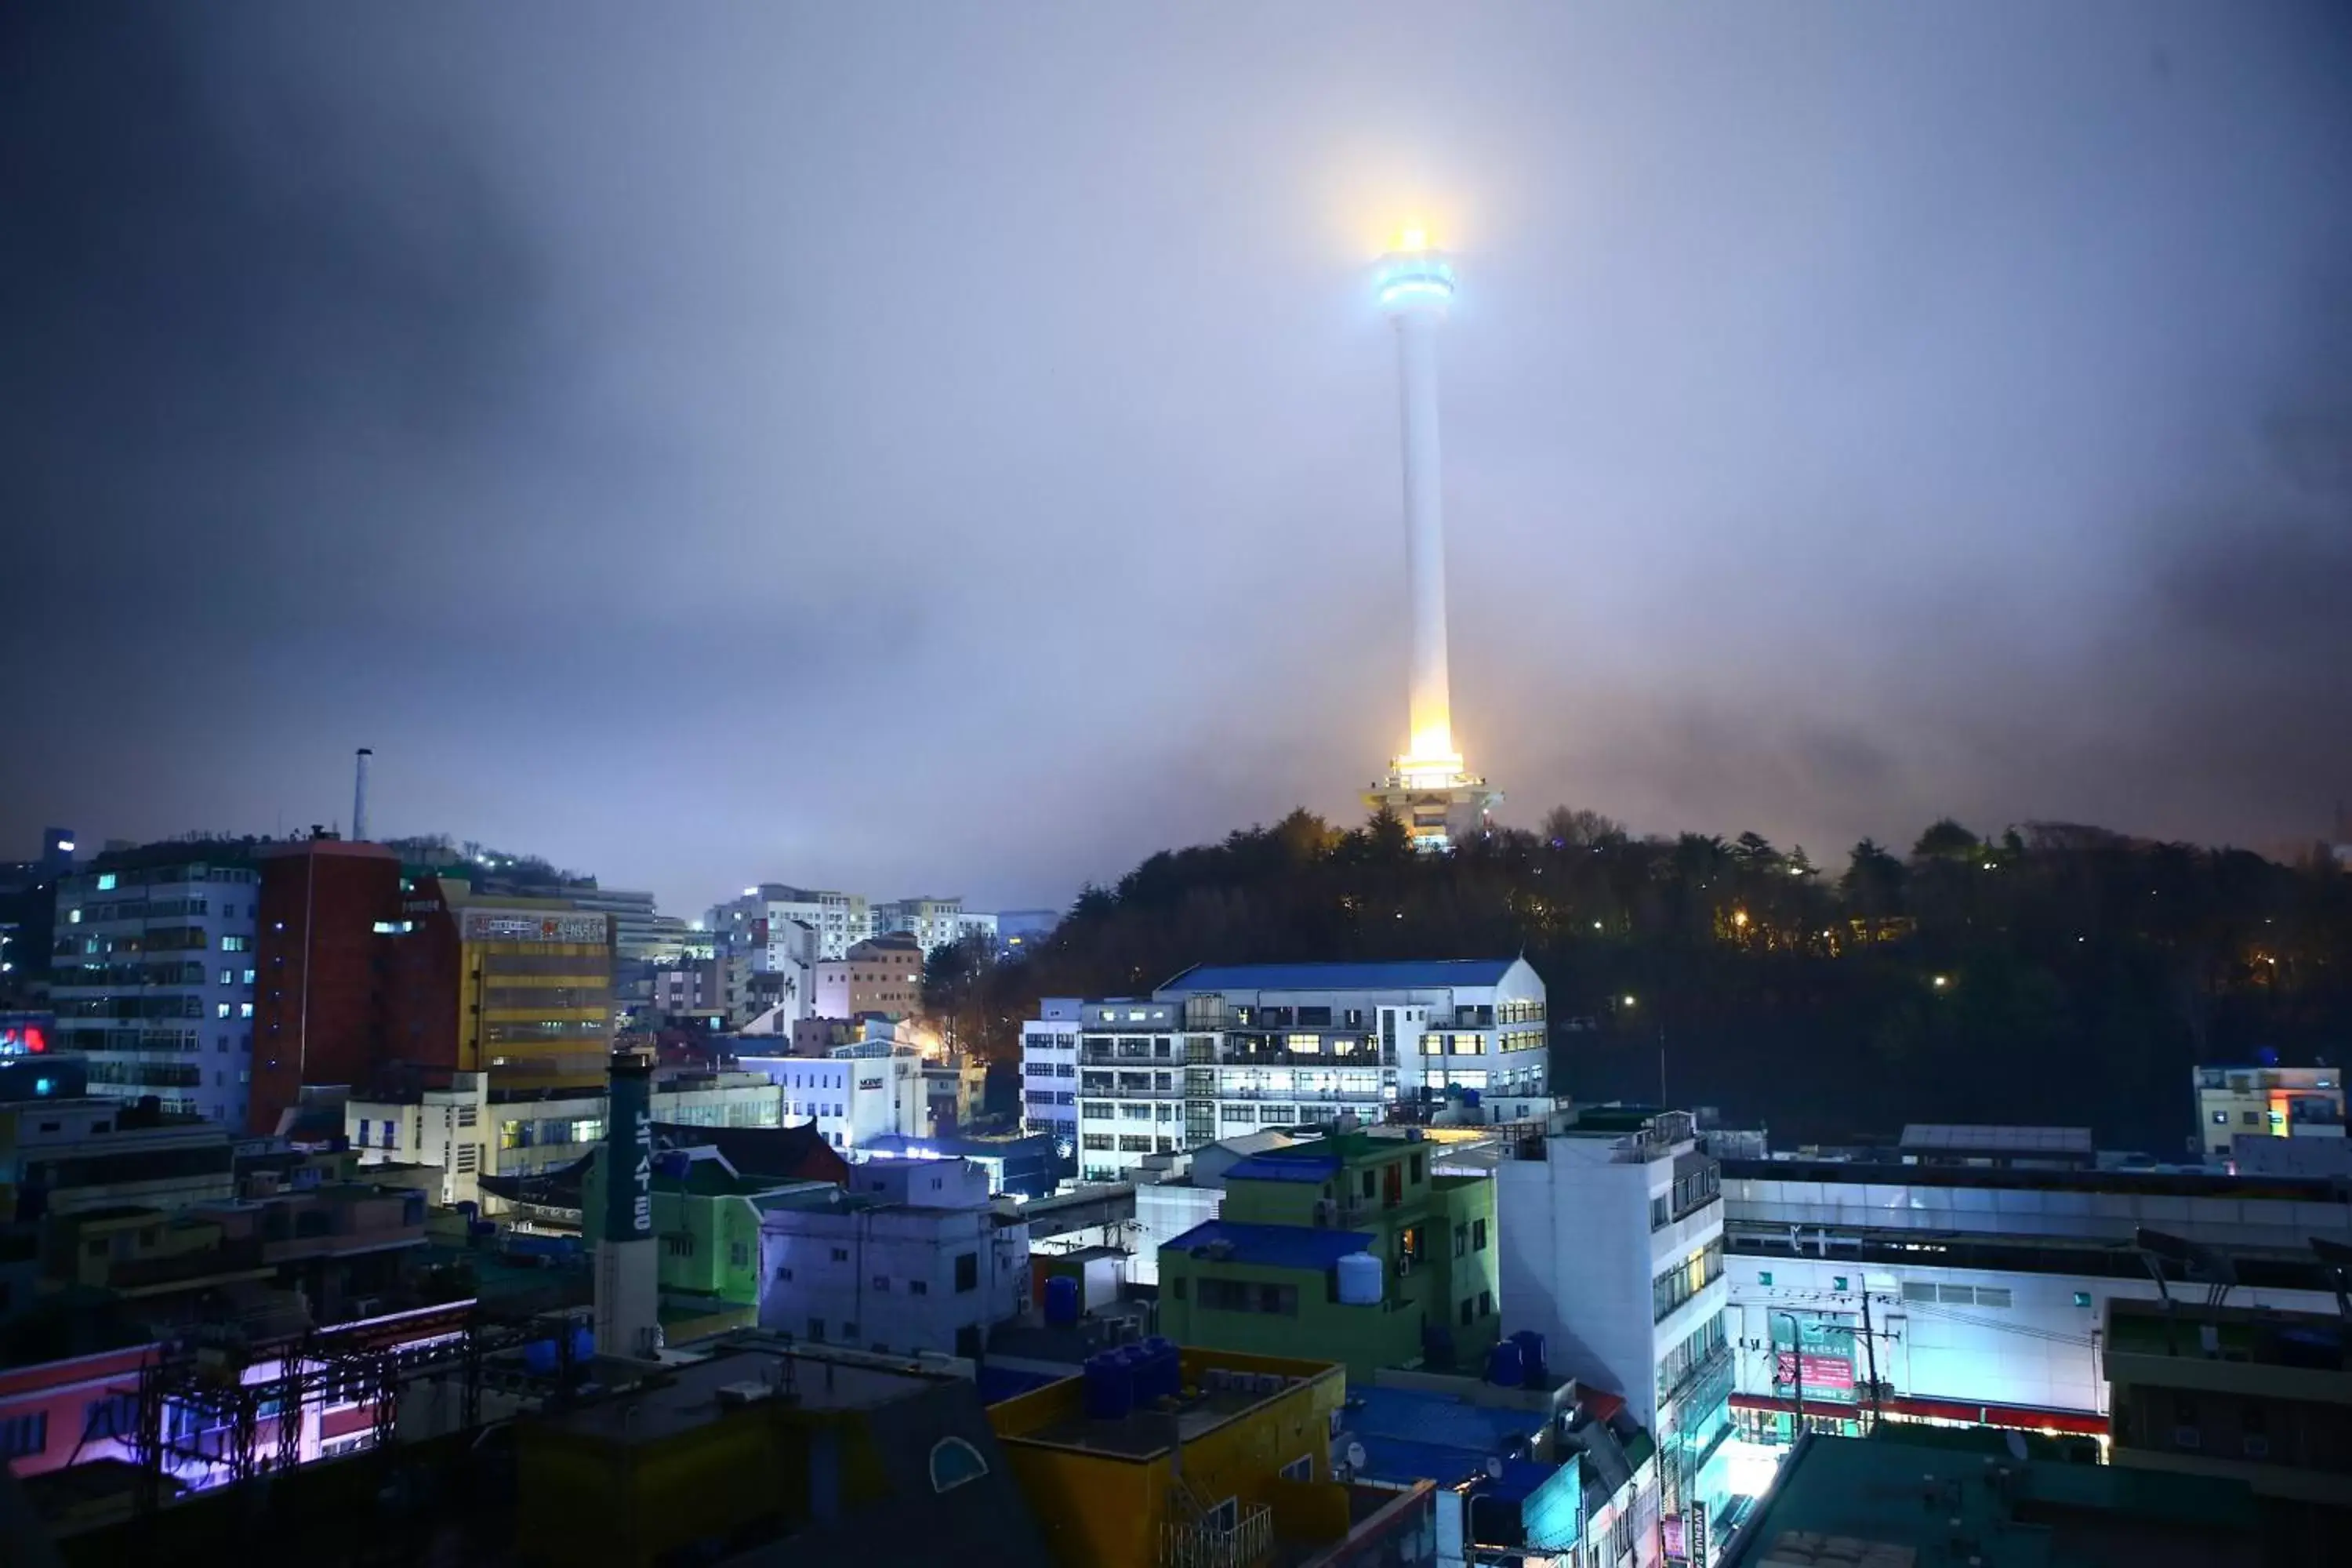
{"x":327,"y":908}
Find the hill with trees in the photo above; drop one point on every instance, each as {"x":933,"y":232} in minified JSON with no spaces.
{"x":2057,"y":973}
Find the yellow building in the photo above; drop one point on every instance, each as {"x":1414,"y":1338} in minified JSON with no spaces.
{"x":1224,"y":1473}
{"x":532,"y":988}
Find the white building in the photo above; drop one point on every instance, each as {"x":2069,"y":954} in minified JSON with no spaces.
{"x":1975,"y":1293}
{"x":933,"y":923}
{"x":1049,"y":1071}
{"x":918,"y":1260}
{"x":1223,"y":1050}
{"x":152,"y":977}
{"x":1612,"y":1249}
{"x":757,"y":922}
{"x":471,"y":1130}
{"x":1194,"y":1194}
{"x":2265,"y":1101}
{"x":853,"y":1093}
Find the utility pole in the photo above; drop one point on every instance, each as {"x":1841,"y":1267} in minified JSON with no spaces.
{"x":1796,"y":1370}
{"x":1870,"y":1350}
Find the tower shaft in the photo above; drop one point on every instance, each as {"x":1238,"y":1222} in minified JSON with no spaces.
{"x":1432,"y":710}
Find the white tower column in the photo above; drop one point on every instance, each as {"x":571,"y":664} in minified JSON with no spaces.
{"x":1427,"y":788}
{"x":1432,"y":739}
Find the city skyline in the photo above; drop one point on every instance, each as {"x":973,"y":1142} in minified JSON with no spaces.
{"x":657,"y":494}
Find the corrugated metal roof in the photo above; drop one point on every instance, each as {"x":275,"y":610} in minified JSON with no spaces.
{"x":1399,"y":974}
{"x":1275,"y":1245}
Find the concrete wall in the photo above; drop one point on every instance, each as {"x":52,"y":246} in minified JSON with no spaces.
{"x":887,"y":1277}
{"x":1164,"y":1213}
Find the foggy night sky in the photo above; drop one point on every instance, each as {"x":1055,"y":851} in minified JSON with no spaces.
{"x":952,"y":448}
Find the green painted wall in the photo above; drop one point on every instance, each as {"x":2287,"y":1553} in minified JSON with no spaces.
{"x":1450,"y":1221}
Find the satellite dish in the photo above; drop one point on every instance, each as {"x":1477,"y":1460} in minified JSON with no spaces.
{"x":1355,"y":1456}
{"x":2016,"y":1441}
{"x":1494,"y":1468}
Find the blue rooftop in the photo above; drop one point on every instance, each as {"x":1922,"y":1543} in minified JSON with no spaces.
{"x":1258,"y":1168}
{"x":1275,"y":1245}
{"x":1402,"y":974}
{"x":1437,"y":1418}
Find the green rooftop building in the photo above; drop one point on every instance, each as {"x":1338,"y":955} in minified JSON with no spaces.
{"x":1351,"y":1249}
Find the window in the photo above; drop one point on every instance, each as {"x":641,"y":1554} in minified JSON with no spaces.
{"x":848,"y":1331}
{"x":364,"y":1126}
{"x":841,"y":1255}
{"x":1421,"y":1167}
{"x":106,"y":881}
{"x":1180,"y":1287}
{"x":918,"y":1287}
{"x":110,"y":1415}
{"x":242,"y":943}
{"x":2221,"y":1118}
{"x":882,"y":1284}
{"x":1301,"y":1469}
{"x":1224,"y":1516}
{"x":1371,"y":1184}
{"x":24,"y":1437}
{"x":681,"y":1246}
{"x":1479,"y":1234}
{"x":967,"y":1272}
{"x":2251,"y":1118}
{"x":816,"y":1329}
{"x":1461,"y":1241}
{"x":785,"y":1273}
{"x":1486,"y":1303}
{"x":738,"y":1255}
{"x":228,"y":978}
{"x":1468,"y":1306}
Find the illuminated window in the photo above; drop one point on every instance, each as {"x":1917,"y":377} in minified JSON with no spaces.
{"x":106,"y":881}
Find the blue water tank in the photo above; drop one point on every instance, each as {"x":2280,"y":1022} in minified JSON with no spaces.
{"x":1470,"y":1099}
{"x":539,"y":1358}
{"x":1504,"y":1367}
{"x":583,"y":1343}
{"x":1062,"y":1299}
{"x":1532,"y":1358}
{"x":1110,"y":1387}
{"x":1165,"y":1374}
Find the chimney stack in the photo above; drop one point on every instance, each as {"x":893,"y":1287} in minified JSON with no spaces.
{"x":359,"y":798}
{"x":628,"y":1319}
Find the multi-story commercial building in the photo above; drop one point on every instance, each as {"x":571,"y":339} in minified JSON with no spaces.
{"x":64,"y":1149}
{"x":915,"y":1260}
{"x":470,"y":1130}
{"x":1352,"y":1245}
{"x":1612,"y":1249}
{"x":853,"y":1093}
{"x":884,"y":976}
{"x":2265,"y":1101}
{"x":519,"y":988}
{"x":1226,"y":1049}
{"x":760,"y":919}
{"x":1957,"y":1293}
{"x":1049,"y":1071}
{"x":153,"y":974}
{"x":328,"y":910}
{"x":933,"y":923}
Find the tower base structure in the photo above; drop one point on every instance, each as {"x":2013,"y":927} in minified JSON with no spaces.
{"x":1439,"y":806}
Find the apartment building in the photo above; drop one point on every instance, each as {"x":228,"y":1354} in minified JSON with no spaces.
{"x":151,"y":974}
{"x":1226,"y":1049}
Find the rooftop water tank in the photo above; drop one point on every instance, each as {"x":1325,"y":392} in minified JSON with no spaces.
{"x":1360,"y":1277}
{"x":1538,"y":1372}
{"x":1506,"y":1367}
{"x":1110,"y":1387}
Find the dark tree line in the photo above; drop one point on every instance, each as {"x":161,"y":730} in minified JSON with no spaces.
{"x":2057,"y":974}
